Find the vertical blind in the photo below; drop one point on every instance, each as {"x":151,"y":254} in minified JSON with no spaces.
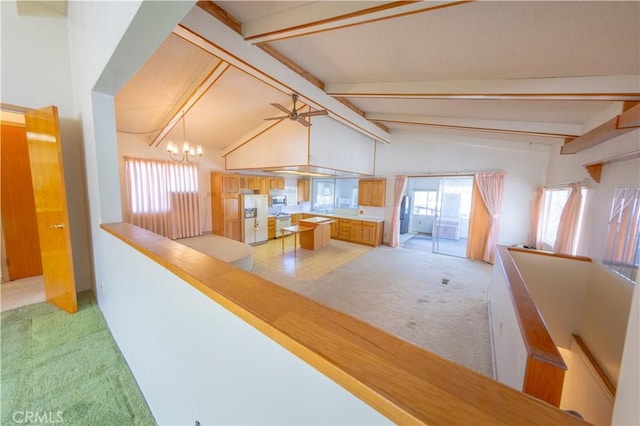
{"x":163,"y":197}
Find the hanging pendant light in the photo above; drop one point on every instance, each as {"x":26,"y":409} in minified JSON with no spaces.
{"x":189,"y":153}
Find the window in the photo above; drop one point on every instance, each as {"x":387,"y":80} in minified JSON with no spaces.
{"x":152,"y":183}
{"x":329,"y":194}
{"x":425,"y":203}
{"x":163,"y":197}
{"x":622,"y":253}
{"x":554,"y":202}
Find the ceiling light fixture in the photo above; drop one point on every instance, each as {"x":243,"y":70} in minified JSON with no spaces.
{"x":189,"y":153}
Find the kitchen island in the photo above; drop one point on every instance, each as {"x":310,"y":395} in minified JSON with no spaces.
{"x":321,"y":234}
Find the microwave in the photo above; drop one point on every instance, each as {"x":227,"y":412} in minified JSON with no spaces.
{"x":277,"y":200}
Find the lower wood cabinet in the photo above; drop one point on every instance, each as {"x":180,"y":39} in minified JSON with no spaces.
{"x":271,"y":227}
{"x":355,"y":230}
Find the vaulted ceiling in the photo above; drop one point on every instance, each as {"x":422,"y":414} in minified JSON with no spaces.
{"x":536,"y":71}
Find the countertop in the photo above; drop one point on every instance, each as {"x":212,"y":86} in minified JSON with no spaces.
{"x":316,"y":219}
{"x":342,"y":216}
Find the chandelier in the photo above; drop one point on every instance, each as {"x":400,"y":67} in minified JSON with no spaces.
{"x":189,"y":154}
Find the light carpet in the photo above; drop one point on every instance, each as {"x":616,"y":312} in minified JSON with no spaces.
{"x":401,"y":291}
{"x":25,"y":291}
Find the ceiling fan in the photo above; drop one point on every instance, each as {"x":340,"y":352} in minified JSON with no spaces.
{"x":294,"y":115}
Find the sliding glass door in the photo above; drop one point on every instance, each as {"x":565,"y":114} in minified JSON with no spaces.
{"x":451,"y":221}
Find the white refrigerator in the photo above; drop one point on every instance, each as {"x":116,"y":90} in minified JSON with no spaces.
{"x":254,"y":209}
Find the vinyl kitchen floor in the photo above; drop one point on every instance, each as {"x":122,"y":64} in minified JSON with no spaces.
{"x":305,"y":266}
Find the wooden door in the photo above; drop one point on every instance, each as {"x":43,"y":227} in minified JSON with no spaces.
{"x":18,"y":209}
{"x":45,"y":156}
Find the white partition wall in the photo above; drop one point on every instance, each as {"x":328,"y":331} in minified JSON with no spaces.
{"x":194,"y":360}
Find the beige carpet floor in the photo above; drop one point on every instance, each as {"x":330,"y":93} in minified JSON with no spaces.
{"x":26,"y":291}
{"x":402,"y":291}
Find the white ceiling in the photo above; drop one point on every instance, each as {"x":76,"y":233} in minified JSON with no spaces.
{"x":504,"y":61}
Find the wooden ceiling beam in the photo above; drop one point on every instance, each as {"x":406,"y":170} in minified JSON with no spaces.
{"x":217,"y":12}
{"x":206,"y":84}
{"x":607,"y":88}
{"x":317,"y":17}
{"x":220,"y":14}
{"x":618,"y":125}
{"x":293,"y":66}
{"x":546,"y":130}
{"x":630,"y":117}
{"x":349,"y":104}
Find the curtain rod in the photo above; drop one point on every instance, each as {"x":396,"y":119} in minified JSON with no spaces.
{"x":584,"y":183}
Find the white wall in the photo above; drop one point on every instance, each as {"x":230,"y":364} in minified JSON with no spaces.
{"x":36,"y":73}
{"x":285,"y":144}
{"x":194,"y":360}
{"x":336,"y":146}
{"x":509,"y":351}
{"x":415,"y":152}
{"x":558,"y":287}
{"x":626,"y":410}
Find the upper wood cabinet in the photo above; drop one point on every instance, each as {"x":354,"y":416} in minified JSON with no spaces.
{"x":231,"y":183}
{"x":303,"y":193}
{"x":276,"y":183}
{"x":265,"y":185}
{"x":253,"y":183}
{"x":372,"y":192}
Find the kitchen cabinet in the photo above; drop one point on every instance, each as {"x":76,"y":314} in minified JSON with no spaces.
{"x":253,"y":183}
{"x":360,"y":231}
{"x":265,"y":184}
{"x":231,"y":203}
{"x":271,"y":228}
{"x":243,"y":182}
{"x":335,"y":229}
{"x":372,"y":192}
{"x":367,"y":233}
{"x":356,"y":230}
{"x":303,"y":193}
{"x":276,"y":183}
{"x":344,"y":230}
{"x":320,"y":236}
{"x":231,"y":183}
{"x":295,"y":219}
{"x":225,"y":206}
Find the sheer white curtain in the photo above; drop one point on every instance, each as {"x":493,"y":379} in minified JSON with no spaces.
{"x":491,"y":186}
{"x":163,"y":197}
{"x":568,"y":226}
{"x":535,"y":230}
{"x":400,"y":184}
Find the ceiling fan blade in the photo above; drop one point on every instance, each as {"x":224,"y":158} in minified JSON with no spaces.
{"x":303,"y":122}
{"x":312,"y":113}
{"x":277,"y":118}
{"x":281,"y":108}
